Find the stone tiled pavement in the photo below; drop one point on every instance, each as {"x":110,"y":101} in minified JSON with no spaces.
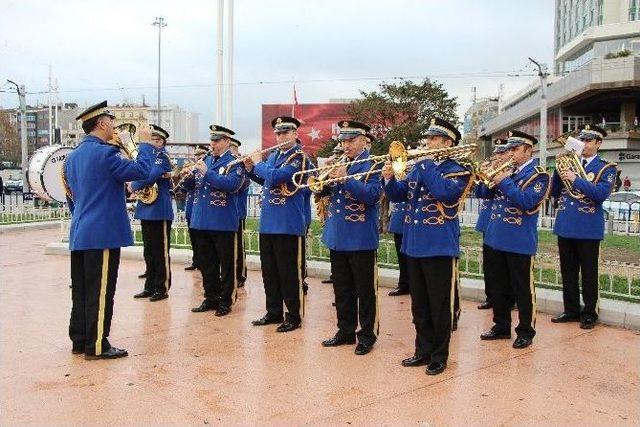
{"x":187,"y":368}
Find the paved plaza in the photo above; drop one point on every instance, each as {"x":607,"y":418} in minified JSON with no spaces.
{"x":193,"y":369}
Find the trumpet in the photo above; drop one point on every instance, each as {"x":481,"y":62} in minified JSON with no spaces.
{"x":399,"y":157}
{"x":243,"y":158}
{"x":568,"y":160}
{"x":312,"y":181}
{"x":123,"y":138}
{"x":487,"y":170}
{"x":188,"y":168}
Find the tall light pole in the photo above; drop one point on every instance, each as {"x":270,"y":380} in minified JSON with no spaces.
{"x":160,"y":23}
{"x":229,"y":72}
{"x":542,"y":73}
{"x":23,"y":132}
{"x":219,"y":59}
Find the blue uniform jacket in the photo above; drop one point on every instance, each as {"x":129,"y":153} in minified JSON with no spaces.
{"x":307,"y":206}
{"x":514,"y":215}
{"x":243,"y":195}
{"x":96,"y":173}
{"x":161,"y":209}
{"x":352,"y":214}
{"x":281,"y":214}
{"x":584,"y":218}
{"x":396,"y":220}
{"x":215,"y":205}
{"x":485,"y":212}
{"x":432,"y":193}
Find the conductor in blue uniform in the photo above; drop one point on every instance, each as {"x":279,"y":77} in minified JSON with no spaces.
{"x":95,"y":174}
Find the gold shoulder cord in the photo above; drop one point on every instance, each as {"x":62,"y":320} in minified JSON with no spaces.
{"x":608,"y":165}
{"x":546,"y":193}
{"x":441,"y":206}
{"x":283,"y":187}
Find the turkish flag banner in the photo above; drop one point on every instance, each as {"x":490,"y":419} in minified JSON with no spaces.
{"x":318,"y":123}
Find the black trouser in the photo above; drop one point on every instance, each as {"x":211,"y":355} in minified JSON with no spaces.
{"x":579,"y":256}
{"x":355,"y":284}
{"x":281,"y":259}
{"x":241,"y":265}
{"x":486,"y":271}
{"x":305,"y":287}
{"x":194,"y":246}
{"x":433,"y":283}
{"x":94,"y":273}
{"x":156,"y":236}
{"x":217,"y":253}
{"x":513,"y":277}
{"x":403,"y":282}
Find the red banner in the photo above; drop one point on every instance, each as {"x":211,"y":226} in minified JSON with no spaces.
{"x":319,"y":123}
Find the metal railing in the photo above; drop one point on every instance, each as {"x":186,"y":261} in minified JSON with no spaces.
{"x":21,"y":214}
{"x":617,"y":282}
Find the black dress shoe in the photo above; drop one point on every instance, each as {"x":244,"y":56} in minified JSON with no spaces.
{"x":329,"y":280}
{"x":588,"y":322}
{"x":205,"y":306}
{"x":522,"y":342}
{"x":485,"y":306}
{"x":288,"y":326}
{"x":339,"y":340}
{"x":267,"y":320}
{"x":415,"y":361}
{"x":397,"y":292}
{"x":241,"y":284}
{"x":492,"y":334}
{"x":142,"y":276}
{"x":564,"y":318}
{"x":435,"y":368}
{"x":77,"y":349}
{"x":362,"y":348}
{"x":305,"y":287}
{"x":223,"y":310}
{"x":143,"y":294}
{"x":112,"y":353}
{"x":191,"y":268}
{"x":157,"y":296}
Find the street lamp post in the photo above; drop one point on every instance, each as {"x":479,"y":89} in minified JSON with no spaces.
{"x":542,"y":73}
{"x":23,"y":133}
{"x":160,"y":23}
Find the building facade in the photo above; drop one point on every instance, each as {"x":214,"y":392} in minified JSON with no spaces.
{"x":481,"y":111}
{"x":597,"y":80}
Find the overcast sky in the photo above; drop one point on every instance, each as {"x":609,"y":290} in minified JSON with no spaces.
{"x":332,"y":49}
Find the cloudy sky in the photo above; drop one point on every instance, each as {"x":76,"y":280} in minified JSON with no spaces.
{"x":332,"y":49}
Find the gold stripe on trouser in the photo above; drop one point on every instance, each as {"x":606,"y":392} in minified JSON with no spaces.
{"x":598,"y":285}
{"x":165,"y":249}
{"x":101,"y":300}
{"x":376,"y":323}
{"x":452,"y":291}
{"x":457,"y":273}
{"x":244,"y":252}
{"x":300,"y":278}
{"x":234,"y":293}
{"x":532,"y":288}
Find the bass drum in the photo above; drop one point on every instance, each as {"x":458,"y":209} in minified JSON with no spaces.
{"x":45,"y":172}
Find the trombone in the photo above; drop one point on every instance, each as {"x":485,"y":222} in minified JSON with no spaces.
{"x":487,"y":170}
{"x":243,"y":158}
{"x":399,"y":157}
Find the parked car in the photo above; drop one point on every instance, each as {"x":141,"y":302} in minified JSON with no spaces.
{"x":13,"y":185}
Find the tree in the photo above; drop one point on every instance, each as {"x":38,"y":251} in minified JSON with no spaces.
{"x":402,"y":111}
{"x":9,"y":140}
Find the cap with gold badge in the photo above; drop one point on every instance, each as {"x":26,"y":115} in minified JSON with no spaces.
{"x":516,"y":137}
{"x":350,"y":129}
{"x":218,"y":132}
{"x":100,"y":109}
{"x":588,"y":132}
{"x":158,"y":131}
{"x":283,"y":124}
{"x":500,"y":145}
{"x":441,"y":127}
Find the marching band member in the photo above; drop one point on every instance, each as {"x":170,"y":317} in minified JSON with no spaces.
{"x":94,"y":175}
{"x":396,"y":222}
{"x":351,"y":234}
{"x":215,"y":215}
{"x":500,"y":152}
{"x":432,"y":192}
{"x":513,"y":237}
{"x":155,"y":220}
{"x":243,"y":195}
{"x":188,"y":186}
{"x":579,"y":226}
{"x":282,"y":226}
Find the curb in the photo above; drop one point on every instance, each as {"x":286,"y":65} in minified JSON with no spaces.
{"x":612,"y":312}
{"x":42,"y":225}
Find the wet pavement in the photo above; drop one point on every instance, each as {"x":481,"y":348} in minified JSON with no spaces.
{"x":195,"y":368}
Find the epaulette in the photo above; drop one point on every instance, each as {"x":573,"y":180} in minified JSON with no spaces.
{"x":454,"y":174}
{"x":539,"y":169}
